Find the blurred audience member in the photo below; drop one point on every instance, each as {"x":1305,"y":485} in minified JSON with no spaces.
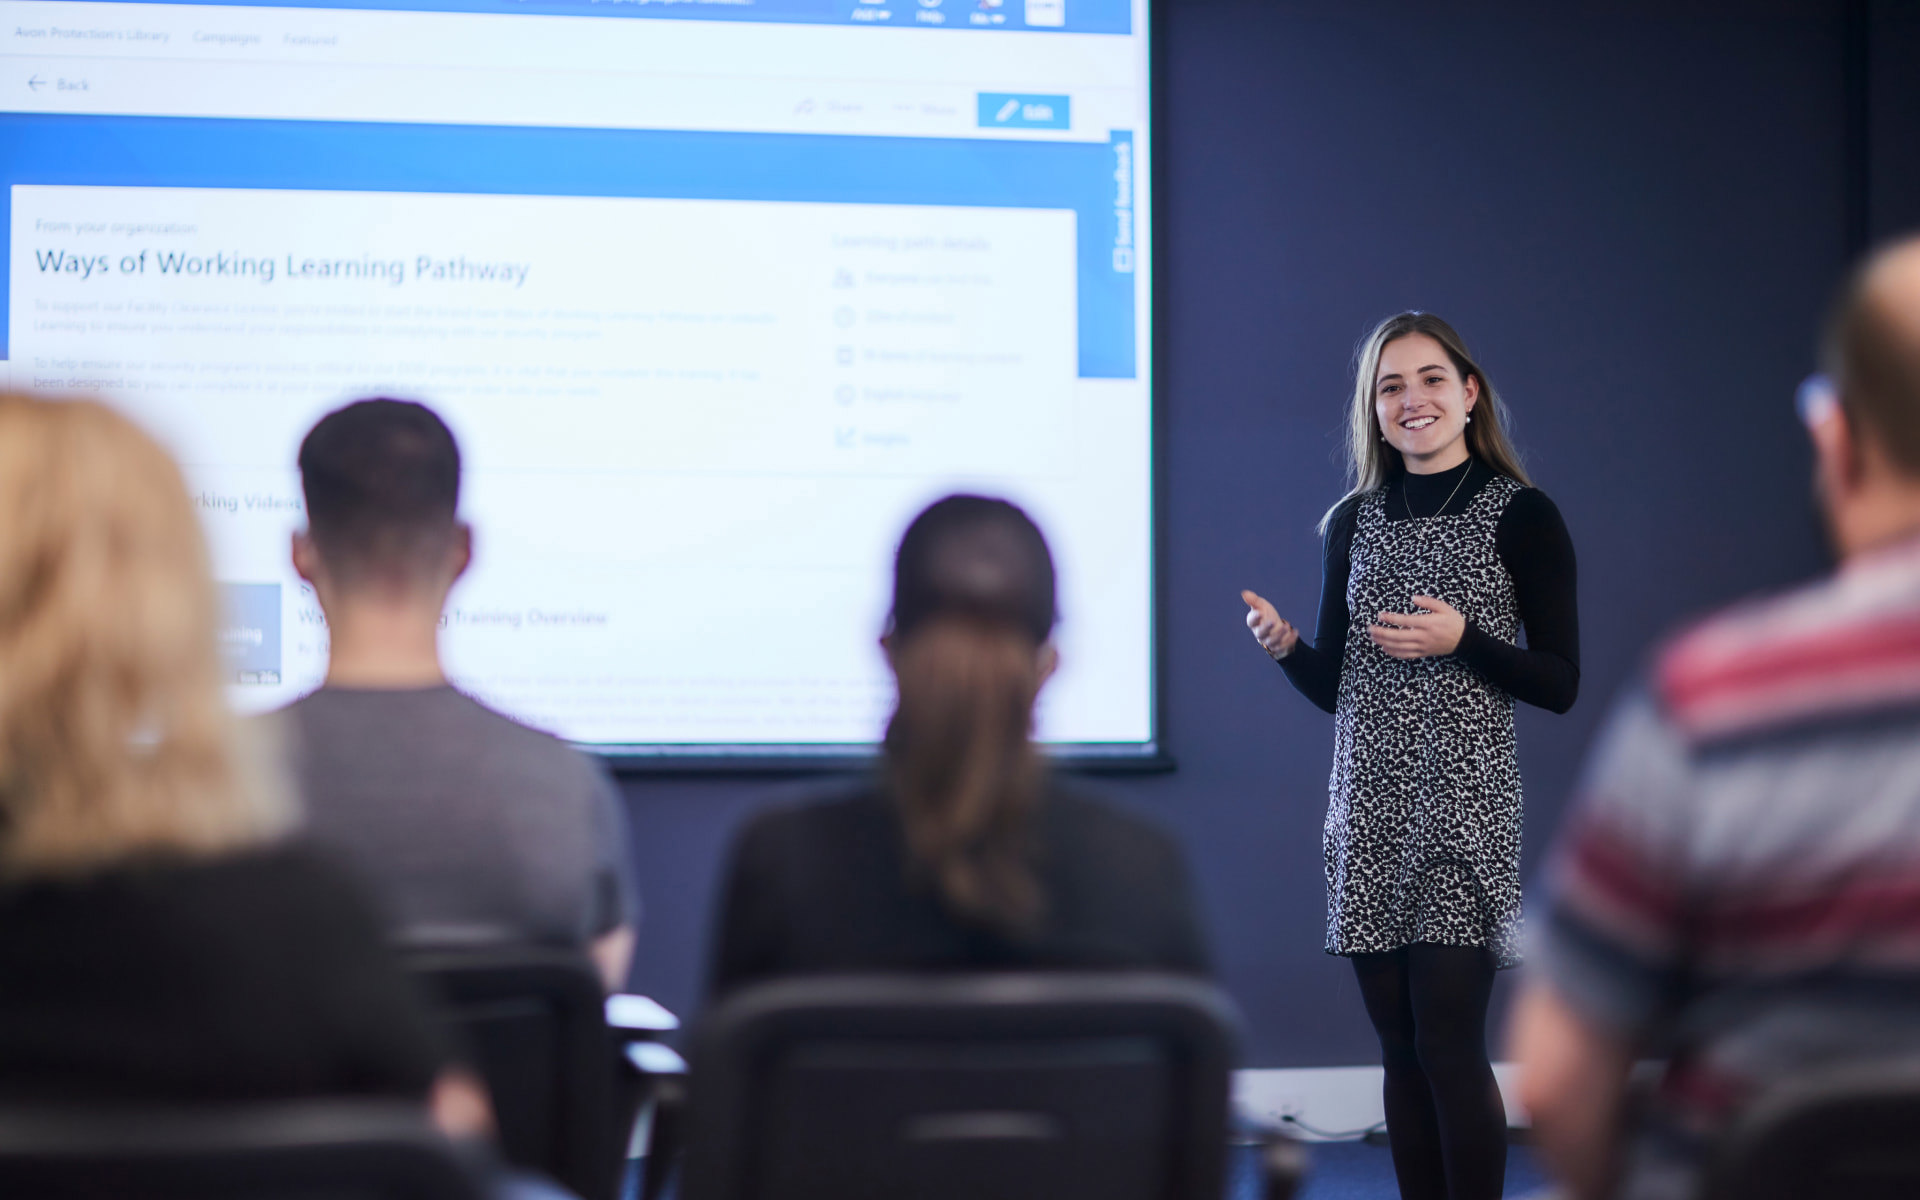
{"x":470,"y":827}
{"x":158,"y":940}
{"x":1738,"y":891}
{"x":962,"y":854}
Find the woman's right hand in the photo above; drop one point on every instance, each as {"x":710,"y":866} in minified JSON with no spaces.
{"x":1275,"y":636}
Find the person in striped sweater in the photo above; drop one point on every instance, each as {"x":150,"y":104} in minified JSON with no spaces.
{"x":1737,"y":889}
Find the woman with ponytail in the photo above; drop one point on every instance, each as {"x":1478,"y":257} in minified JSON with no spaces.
{"x":961,"y":853}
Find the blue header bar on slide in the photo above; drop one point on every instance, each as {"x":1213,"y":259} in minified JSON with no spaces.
{"x":1093,"y":179}
{"x":1050,"y":16}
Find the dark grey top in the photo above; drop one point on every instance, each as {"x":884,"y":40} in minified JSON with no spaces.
{"x":257,"y":975}
{"x":826,"y":887}
{"x":465,"y":824}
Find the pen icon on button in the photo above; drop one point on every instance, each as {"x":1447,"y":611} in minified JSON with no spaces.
{"x":1024,"y":110}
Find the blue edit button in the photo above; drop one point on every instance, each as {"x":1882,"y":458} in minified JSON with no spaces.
{"x":1022,"y":110}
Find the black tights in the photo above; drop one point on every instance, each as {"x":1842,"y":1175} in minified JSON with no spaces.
{"x":1445,"y":1120}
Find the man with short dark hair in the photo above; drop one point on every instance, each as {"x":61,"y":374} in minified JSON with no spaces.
{"x":1738,"y":890}
{"x":467,"y":825}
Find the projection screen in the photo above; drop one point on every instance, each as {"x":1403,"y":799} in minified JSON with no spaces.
{"x":715,"y":295}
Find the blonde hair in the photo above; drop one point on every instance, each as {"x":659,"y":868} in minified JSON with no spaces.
{"x":115,"y":737}
{"x":1371,"y":460}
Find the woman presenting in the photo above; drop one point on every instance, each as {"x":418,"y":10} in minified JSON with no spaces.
{"x":1434,"y":561}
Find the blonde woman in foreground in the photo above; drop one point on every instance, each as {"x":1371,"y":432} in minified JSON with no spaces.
{"x":159,"y":941}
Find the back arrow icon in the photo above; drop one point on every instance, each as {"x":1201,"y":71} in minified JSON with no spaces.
{"x":36,"y":83}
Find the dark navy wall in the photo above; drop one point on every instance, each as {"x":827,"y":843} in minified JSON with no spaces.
{"x":1635,"y":212}
{"x":1893,"y":117}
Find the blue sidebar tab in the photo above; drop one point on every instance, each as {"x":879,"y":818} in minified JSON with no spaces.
{"x":1023,"y":110}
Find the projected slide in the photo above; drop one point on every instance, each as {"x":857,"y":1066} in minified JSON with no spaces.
{"x":709,"y":325}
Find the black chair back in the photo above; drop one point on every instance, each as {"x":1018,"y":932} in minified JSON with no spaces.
{"x":1020,"y":1087}
{"x":339,"y":1150}
{"x":533,"y":1021}
{"x":1850,"y":1133}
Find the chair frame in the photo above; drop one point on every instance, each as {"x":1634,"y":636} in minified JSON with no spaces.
{"x":1765,"y":1154}
{"x":737,"y":1037}
{"x":384,"y":1149}
{"x":595,"y":1093}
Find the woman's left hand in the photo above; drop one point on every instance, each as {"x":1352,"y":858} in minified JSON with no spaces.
{"x":1427,"y":634}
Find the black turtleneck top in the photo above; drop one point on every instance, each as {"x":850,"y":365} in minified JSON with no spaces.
{"x":1533,"y":545}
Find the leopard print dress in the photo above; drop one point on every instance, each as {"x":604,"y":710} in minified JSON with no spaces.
{"x":1423,"y":817}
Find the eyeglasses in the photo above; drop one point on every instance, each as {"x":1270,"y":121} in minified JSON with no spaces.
{"x":1815,"y":400}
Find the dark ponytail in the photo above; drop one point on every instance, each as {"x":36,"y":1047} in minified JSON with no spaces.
{"x":973,"y":607}
{"x":963,"y":772}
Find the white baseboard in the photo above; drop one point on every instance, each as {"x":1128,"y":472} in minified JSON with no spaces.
{"x":1334,"y":1099}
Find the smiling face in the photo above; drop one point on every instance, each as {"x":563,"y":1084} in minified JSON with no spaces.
{"x":1422,"y":403}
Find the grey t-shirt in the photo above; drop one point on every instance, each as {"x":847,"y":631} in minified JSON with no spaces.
{"x":467,"y":825}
